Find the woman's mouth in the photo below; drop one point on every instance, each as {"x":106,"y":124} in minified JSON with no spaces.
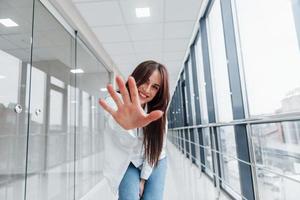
{"x":143,"y":95}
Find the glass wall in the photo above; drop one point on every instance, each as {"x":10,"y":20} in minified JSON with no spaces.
{"x":270,"y":52}
{"x":271,"y":58}
{"x":51,"y":124}
{"x":228,"y":158}
{"x":14,"y":95}
{"x":277,"y":159}
{"x":207,"y":147}
{"x":220,"y":79}
{"x":247,"y":58}
{"x":50,"y":147}
{"x":201,"y":81}
{"x":89,"y":142}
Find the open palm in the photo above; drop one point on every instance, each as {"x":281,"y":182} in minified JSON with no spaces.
{"x":129,"y":113}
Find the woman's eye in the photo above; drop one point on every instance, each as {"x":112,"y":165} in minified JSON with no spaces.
{"x":155,"y":87}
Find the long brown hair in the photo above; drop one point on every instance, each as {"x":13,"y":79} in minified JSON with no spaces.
{"x":155,"y":131}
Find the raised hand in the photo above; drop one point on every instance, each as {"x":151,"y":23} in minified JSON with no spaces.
{"x":129,"y":113}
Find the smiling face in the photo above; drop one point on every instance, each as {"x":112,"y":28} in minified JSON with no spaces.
{"x":149,"y":89}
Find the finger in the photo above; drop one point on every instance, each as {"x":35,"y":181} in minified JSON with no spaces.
{"x":123,"y":90}
{"x":106,"y":107}
{"x":154,"y":115}
{"x":141,"y":191}
{"x":114,"y":95}
{"x":133,"y":91}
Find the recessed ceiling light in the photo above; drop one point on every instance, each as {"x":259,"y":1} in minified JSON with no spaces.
{"x":77,"y":71}
{"x":8,"y":22}
{"x":142,"y":12}
{"x":103,"y":90}
{"x":2,"y":77}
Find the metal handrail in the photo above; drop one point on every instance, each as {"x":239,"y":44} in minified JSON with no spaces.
{"x":251,"y":121}
{"x":258,"y":166}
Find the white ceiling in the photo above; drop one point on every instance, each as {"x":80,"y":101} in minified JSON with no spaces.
{"x":51,"y":42}
{"x":129,"y":40}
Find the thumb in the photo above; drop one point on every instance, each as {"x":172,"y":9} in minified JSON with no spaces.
{"x":154,"y":115}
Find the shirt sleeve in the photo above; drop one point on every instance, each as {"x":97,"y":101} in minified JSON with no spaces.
{"x":146,"y":170}
{"x":126,"y":138}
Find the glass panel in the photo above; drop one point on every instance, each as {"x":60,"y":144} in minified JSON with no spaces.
{"x":86,"y":111}
{"x":72,"y":106}
{"x":182,"y":144}
{"x":202,"y":83}
{"x":93,"y":114}
{"x":229,"y":165}
{"x":38,"y":77}
{"x":14,"y":84}
{"x":207,"y":151}
{"x":89,"y":145}
{"x":274,"y":186}
{"x":51,"y":147}
{"x":192,"y":93}
{"x":270,"y":49}
{"x":177,"y":135}
{"x":219,"y":64}
{"x":37,"y":121}
{"x":56,"y":104}
{"x":276,"y":147}
{"x":12,"y":67}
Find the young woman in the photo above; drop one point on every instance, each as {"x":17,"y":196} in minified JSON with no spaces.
{"x":135,"y":133}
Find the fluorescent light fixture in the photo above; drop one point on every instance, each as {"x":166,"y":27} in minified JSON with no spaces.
{"x":8,"y":22}
{"x":77,"y":71}
{"x":2,"y":77}
{"x":142,"y":12}
{"x":103,"y":90}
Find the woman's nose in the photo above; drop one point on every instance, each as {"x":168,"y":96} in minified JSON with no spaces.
{"x":148,"y":88}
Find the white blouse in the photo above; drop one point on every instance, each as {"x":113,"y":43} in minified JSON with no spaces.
{"x":122,"y":147}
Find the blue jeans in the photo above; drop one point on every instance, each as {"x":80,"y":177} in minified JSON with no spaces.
{"x":154,"y":186}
